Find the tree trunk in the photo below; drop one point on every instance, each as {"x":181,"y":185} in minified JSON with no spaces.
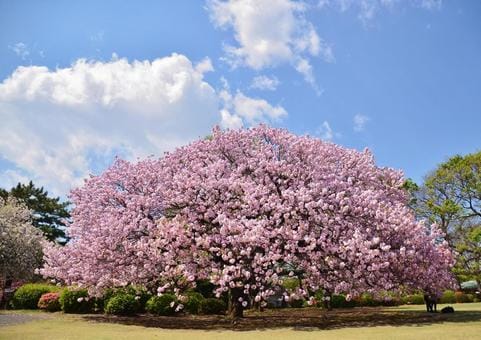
{"x":236,"y":310}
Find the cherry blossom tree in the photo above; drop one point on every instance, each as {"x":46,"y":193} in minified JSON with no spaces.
{"x":245,"y":209}
{"x":21,"y":244}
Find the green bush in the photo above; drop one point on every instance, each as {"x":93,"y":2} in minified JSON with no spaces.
{"x":299,"y":303}
{"x":213,"y":306}
{"x":194,"y":300}
{"x":414,"y":299}
{"x":162,"y":305}
{"x":76,"y":301}
{"x":461,"y":297}
{"x":366,"y":300}
{"x":448,"y":297}
{"x":205,"y":287}
{"x":28,"y":295}
{"x":141,"y":294}
{"x":339,"y":301}
{"x":122,"y":304}
{"x":290,"y":283}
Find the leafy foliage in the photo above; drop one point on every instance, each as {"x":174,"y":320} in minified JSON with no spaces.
{"x":451,"y":197}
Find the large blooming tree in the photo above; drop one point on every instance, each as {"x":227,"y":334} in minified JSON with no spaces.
{"x":245,"y":209}
{"x":21,"y":244}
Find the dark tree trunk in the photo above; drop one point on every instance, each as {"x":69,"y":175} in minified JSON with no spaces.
{"x":236,"y":310}
{"x":327,"y":302}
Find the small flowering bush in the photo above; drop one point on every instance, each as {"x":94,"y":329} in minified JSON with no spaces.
{"x":76,"y":301}
{"x":123,"y":304}
{"x":27,"y":296}
{"x":166,"y":304}
{"x":213,"y":306}
{"x":49,"y":302}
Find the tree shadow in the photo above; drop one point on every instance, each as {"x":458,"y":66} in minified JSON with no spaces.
{"x":300,"y":319}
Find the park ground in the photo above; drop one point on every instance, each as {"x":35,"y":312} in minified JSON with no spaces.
{"x":403,"y":322}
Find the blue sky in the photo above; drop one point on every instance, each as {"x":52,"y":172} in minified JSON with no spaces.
{"x":401,"y":77}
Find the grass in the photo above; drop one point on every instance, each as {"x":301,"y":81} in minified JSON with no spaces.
{"x":464,"y":324}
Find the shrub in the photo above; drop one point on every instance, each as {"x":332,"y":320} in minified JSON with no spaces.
{"x":448,"y":297}
{"x":290,"y":283}
{"x":296,"y":303}
{"x":123,"y":304}
{"x":415,"y":299}
{"x":50,"y":302}
{"x":213,"y":306}
{"x":28,"y":295}
{"x":205,"y":287}
{"x":366,"y":300}
{"x":76,"y":301}
{"x":339,"y":301}
{"x":463,"y":298}
{"x":140,"y":294}
{"x":193,"y":302}
{"x":165,"y":304}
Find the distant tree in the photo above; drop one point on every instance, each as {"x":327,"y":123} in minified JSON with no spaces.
{"x":21,"y":244}
{"x":451,"y":197}
{"x":48,"y":213}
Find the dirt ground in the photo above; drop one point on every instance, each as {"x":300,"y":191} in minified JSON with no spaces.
{"x":294,"y":318}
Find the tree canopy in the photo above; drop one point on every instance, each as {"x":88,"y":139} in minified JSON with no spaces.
{"x":49,"y":214}
{"x":245,"y":209}
{"x":451,"y":197}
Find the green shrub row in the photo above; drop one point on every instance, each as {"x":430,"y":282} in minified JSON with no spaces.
{"x":28,"y":295}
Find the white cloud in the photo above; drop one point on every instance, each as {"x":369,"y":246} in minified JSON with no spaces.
{"x":241,"y":110}
{"x":368,"y":9}
{"x":10,"y":178}
{"x":325,"y":131}
{"x":430,"y":4}
{"x":269,"y":33}
{"x":360,"y":122}
{"x":97,"y":37}
{"x":265,"y":83}
{"x":20,"y":50}
{"x":59,"y":125}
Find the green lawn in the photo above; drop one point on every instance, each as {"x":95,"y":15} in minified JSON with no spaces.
{"x":464,"y":324}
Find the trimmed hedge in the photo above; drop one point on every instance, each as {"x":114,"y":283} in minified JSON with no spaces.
{"x":414,"y":299}
{"x":339,"y":301}
{"x":213,"y":306}
{"x":448,"y":297}
{"x":140,"y":294}
{"x":76,"y":301}
{"x":162,"y":305}
{"x":123,"y":304}
{"x":28,"y":295}
{"x":193,"y":303}
{"x":297,"y":303}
